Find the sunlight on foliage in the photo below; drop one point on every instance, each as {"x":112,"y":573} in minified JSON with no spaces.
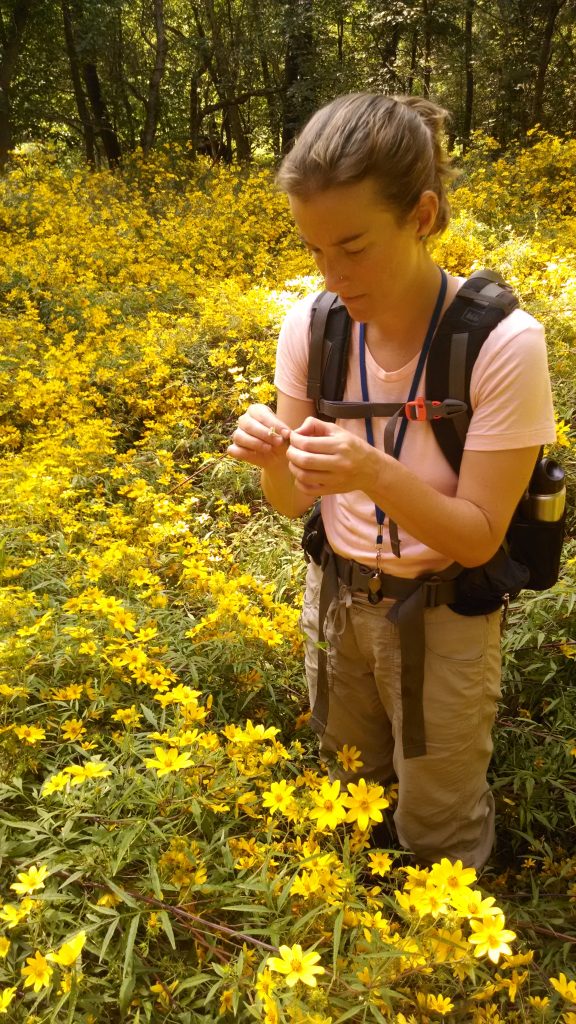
{"x":171,"y":849}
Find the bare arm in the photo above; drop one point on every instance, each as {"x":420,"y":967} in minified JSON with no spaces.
{"x":467,"y":528}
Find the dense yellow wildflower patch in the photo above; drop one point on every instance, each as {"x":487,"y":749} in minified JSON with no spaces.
{"x":170,"y":850}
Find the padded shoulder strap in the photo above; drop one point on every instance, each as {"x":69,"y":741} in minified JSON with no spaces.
{"x":478,"y":307}
{"x":330,"y":327}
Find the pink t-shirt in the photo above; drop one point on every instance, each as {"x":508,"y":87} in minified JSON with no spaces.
{"x":512,"y":408}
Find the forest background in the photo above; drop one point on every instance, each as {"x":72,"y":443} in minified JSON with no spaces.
{"x":170,"y":849}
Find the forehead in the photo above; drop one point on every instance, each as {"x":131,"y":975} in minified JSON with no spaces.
{"x":338,"y":215}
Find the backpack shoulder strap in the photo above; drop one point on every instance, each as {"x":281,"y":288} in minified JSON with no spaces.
{"x":478,"y":307}
{"x":330,"y":328}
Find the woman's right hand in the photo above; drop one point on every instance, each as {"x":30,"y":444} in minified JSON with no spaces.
{"x":260,"y":437}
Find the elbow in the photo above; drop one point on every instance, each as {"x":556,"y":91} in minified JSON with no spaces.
{"x":474,"y":555}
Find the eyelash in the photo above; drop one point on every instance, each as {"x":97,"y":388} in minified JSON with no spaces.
{"x":347,"y":252}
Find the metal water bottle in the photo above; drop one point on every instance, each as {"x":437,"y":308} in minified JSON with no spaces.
{"x":545,"y":499}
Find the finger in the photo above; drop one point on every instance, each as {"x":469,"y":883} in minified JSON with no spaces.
{"x":312,"y":427}
{"x":254,"y":458}
{"x":309,"y":462}
{"x":270,"y":429}
{"x":257,"y":438}
{"x":312,"y":443}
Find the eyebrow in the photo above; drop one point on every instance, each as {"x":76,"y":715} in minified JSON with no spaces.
{"x":341,"y":241}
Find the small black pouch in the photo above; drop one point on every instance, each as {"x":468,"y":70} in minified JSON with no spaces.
{"x":482,"y":589}
{"x":314,"y":536}
{"x":538,"y":545}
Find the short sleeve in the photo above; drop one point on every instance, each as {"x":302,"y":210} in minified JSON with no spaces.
{"x":291,"y":375}
{"x":510,"y":390}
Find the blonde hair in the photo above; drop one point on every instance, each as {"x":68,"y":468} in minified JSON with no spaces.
{"x":396,"y":140}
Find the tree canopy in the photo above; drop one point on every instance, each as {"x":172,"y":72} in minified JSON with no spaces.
{"x":236,"y":78}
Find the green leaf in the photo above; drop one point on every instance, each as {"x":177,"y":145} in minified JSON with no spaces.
{"x":337,"y":936}
{"x":111,"y":929}
{"x":124,"y":896}
{"x":129,"y":837}
{"x":167,"y":926}
{"x":126,"y":992}
{"x":127,"y":968}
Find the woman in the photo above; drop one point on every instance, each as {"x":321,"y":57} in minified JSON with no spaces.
{"x":366,"y":184}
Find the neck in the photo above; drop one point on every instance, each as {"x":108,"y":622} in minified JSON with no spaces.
{"x":396,"y":335}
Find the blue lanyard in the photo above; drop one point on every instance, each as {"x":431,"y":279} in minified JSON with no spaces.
{"x":380,"y":515}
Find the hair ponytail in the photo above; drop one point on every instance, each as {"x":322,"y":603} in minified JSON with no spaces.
{"x":435,"y":118}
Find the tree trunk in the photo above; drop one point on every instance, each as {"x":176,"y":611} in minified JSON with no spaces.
{"x":153,"y":102}
{"x":340,"y":30}
{"x":299,"y":90}
{"x":389,"y":53}
{"x":427,"y":71}
{"x":413,"y":61}
{"x":553,"y":10}
{"x":11,"y":45}
{"x":469,"y":74}
{"x":75,"y":74}
{"x":100,"y":113}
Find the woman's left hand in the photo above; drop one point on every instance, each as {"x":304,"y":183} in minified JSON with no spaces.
{"x":325,"y":459}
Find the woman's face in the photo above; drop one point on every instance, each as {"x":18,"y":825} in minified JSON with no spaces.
{"x":359,"y":246}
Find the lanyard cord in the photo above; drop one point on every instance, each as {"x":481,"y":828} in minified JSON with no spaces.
{"x":380,"y":515}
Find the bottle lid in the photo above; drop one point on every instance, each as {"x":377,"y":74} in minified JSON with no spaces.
{"x":548,"y":477}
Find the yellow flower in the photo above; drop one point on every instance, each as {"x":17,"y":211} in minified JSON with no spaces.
{"x":226,"y":1001}
{"x":13,"y":914}
{"x":30,"y":733}
{"x":539,"y":1002}
{"x":168,"y":760}
{"x":566,"y":988}
{"x":296,"y":965}
{"x":6,"y":997}
{"x":380,"y":863}
{"x":329,"y":809}
{"x":30,"y":880}
{"x":365,"y":803}
{"x":434,"y":1004}
{"x":4,"y":946}
{"x":54,"y":784}
{"x":38,"y":972}
{"x":491,"y":937}
{"x":470,"y":903}
{"x":453,"y":876}
{"x":80,"y":773}
{"x":278,"y":797}
{"x":72,"y":729}
{"x":350,"y":758}
{"x":69,"y":951}
{"x":128,"y":716}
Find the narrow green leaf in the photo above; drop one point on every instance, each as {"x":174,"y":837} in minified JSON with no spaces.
{"x":337,"y":936}
{"x":126,"y":992}
{"x":127,"y":968}
{"x":129,"y":837}
{"x":111,"y":929}
{"x":167,"y":926}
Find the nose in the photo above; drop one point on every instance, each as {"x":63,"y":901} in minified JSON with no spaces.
{"x":333,"y":276}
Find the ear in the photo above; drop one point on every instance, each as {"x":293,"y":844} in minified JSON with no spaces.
{"x":425,"y":213}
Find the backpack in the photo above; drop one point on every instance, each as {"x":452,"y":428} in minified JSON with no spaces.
{"x":531,"y":553}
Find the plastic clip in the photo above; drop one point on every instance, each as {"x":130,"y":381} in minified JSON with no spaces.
{"x":419,"y":409}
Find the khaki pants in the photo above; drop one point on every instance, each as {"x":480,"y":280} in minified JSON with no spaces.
{"x":445,"y":808}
